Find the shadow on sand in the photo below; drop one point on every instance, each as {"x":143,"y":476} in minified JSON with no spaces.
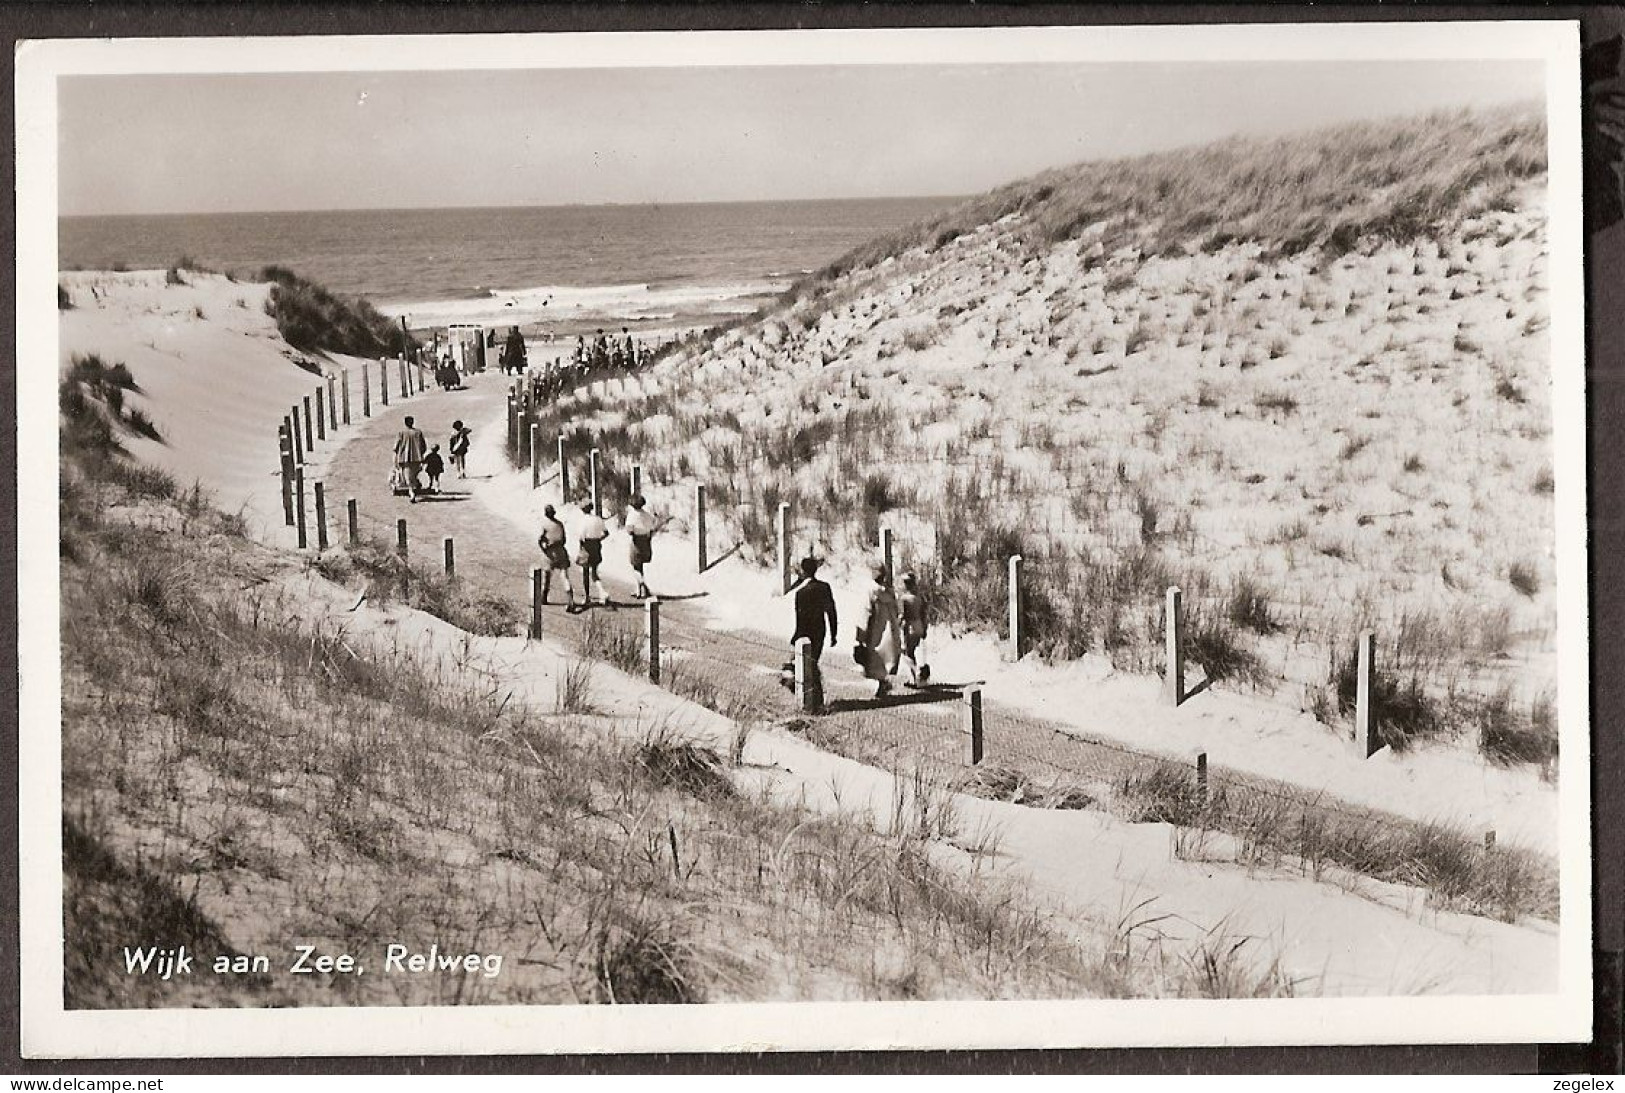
{"x":930,"y":693}
{"x":723,"y":557}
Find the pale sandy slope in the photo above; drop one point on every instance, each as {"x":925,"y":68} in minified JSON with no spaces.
{"x":213,"y":375}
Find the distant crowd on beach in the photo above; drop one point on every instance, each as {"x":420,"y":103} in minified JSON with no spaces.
{"x":591,"y":359}
{"x":601,"y":357}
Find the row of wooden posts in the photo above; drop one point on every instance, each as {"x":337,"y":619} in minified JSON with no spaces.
{"x":972,"y":722}
{"x":309,"y":421}
{"x":1016,"y":640}
{"x":296,"y":439}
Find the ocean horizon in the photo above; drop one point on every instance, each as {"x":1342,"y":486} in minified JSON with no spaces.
{"x":558,"y":267}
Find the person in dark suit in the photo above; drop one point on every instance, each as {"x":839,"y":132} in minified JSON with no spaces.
{"x":815,"y":609}
{"x":815,"y":621}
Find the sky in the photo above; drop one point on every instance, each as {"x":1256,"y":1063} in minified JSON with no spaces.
{"x":251,"y":143}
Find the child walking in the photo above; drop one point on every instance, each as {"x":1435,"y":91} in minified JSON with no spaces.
{"x":916,"y":621}
{"x":459,"y":448}
{"x":434,"y":467}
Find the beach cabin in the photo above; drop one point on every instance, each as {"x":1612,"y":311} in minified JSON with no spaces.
{"x":466,"y":344}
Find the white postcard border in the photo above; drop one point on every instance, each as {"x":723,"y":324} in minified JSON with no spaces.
{"x":49,"y":1030}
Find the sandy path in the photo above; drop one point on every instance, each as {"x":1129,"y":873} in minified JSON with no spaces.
{"x":494,"y":558}
{"x":904,"y":732}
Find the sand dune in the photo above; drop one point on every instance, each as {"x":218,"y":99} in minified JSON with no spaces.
{"x":214,"y":375}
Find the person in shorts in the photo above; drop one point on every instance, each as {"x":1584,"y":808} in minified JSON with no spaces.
{"x":590,"y":554}
{"x":557,"y":555}
{"x":640,"y":526}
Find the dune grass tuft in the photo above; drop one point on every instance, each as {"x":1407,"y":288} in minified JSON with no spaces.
{"x":311,"y":318}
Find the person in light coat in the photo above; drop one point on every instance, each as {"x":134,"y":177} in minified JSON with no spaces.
{"x":879,"y":640}
{"x":410,"y":448}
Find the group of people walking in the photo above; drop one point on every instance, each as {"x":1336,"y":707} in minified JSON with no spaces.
{"x":416,"y":458}
{"x":640,"y":527}
{"x":890,"y":636}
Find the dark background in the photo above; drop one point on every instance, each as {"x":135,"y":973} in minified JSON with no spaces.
{"x":1604,"y":116}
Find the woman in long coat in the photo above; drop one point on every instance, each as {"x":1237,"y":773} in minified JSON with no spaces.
{"x":879,"y":639}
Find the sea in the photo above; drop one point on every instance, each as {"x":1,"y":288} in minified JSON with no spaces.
{"x":553,"y":271}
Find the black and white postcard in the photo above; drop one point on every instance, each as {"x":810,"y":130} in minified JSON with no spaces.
{"x":981,"y":538}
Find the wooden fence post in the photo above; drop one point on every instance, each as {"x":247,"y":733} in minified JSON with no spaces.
{"x":886,"y":553}
{"x":784,"y":546}
{"x":366,"y":390}
{"x":321,"y":415}
{"x":383,"y":380}
{"x":809,"y":694}
{"x":592,"y":478}
{"x":298,"y":443}
{"x":285,"y":460}
{"x":1365,"y":716}
{"x":346,"y":391}
{"x":513,"y":425}
{"x":535,"y":457}
{"x":637,"y":480}
{"x":973,"y":721}
{"x":564,"y":474}
{"x":1173,"y":631}
{"x":1201,"y":780}
{"x":1017,"y":639}
{"x":332,"y":405}
{"x":406,"y":384}
{"x":310,"y":435}
{"x":451,"y":560}
{"x":299,"y":511}
{"x":538,"y":577}
{"x":354,"y":519}
{"x":321,"y":517}
{"x":400,"y":549}
{"x":699,"y":526}
{"x":652,"y":606}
